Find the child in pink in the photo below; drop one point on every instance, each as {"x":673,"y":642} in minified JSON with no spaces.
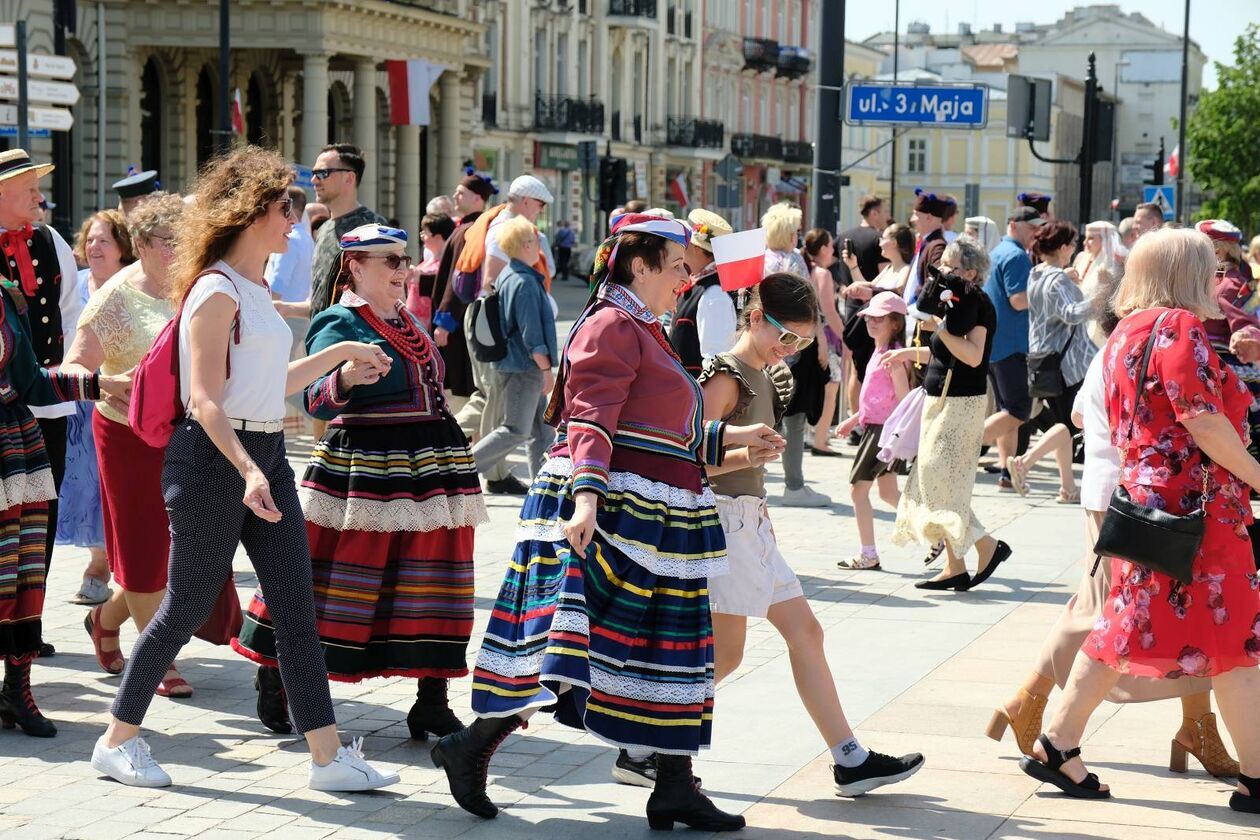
{"x":882,"y":390}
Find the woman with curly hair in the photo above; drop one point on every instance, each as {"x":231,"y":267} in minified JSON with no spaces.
{"x":226,"y":480}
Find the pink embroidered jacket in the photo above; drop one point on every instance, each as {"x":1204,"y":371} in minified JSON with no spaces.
{"x":628,"y":403}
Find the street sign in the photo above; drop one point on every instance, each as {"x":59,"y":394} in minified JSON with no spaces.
{"x":44,"y":66}
{"x":1028,"y":107}
{"x":728,"y":169}
{"x":939,"y":105}
{"x":11,"y":131}
{"x":37,"y":90}
{"x":55,"y":119}
{"x":1165,"y":195}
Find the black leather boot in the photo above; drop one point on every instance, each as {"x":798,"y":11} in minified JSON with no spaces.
{"x":677,"y":798}
{"x":273,"y":706}
{"x":17,"y":706}
{"x":432,"y":711}
{"x":465,"y":756}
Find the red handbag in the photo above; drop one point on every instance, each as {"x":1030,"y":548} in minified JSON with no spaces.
{"x":226,"y":619}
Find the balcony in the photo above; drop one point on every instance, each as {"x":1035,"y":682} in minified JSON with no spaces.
{"x":748,"y":146}
{"x":761,"y":54}
{"x":490,"y":109}
{"x":568,"y":113}
{"x":694,"y":133}
{"x":632,"y":8}
{"x":793,"y":62}
{"x":798,"y":151}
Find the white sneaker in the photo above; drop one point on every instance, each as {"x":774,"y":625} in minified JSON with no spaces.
{"x":130,"y":763}
{"x":804,"y":498}
{"x":349,"y":771}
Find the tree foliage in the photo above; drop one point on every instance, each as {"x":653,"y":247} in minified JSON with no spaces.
{"x":1224,"y":154}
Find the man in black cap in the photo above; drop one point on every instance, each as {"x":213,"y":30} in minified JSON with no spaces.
{"x":134,"y":189}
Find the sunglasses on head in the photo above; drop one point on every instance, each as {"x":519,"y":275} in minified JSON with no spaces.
{"x":392,"y":261}
{"x":786,"y":337}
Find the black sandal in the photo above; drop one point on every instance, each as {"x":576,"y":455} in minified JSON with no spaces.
{"x":1050,"y":772}
{"x":1247,"y":803}
{"x":934,"y":553}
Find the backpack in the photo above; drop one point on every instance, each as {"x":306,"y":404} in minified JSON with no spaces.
{"x":486,"y":336}
{"x":156,"y":406}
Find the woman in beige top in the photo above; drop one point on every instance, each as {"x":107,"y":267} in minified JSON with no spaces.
{"x":115,"y":331}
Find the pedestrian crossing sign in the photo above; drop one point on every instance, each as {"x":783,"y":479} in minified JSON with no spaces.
{"x":1165,"y":195}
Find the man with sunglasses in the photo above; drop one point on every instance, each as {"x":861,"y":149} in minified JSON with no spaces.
{"x":337,"y":174}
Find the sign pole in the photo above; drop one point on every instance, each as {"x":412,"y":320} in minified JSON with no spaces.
{"x":827,"y":153}
{"x":225,"y":84}
{"x":22,"y":120}
{"x":1182,"y":157}
{"x":1087,"y":144}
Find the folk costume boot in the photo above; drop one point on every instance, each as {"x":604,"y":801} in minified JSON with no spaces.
{"x":432,"y":711}
{"x":677,"y":798}
{"x":465,"y":756}
{"x":1200,"y":738}
{"x":273,"y":706}
{"x":17,"y":706}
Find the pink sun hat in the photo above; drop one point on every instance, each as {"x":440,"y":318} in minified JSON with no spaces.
{"x":885,"y":303}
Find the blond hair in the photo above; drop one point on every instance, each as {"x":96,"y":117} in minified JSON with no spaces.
{"x":1172,"y":268}
{"x":231,"y":192}
{"x":781,"y":223}
{"x":160,"y":210}
{"x":514,"y":235}
{"x":117,"y":224}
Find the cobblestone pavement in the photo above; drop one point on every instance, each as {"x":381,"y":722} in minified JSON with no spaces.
{"x":916,"y":671}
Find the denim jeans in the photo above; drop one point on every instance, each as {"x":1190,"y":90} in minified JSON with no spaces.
{"x":523,"y":403}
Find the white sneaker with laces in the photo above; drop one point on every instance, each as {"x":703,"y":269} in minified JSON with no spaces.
{"x":130,"y":763}
{"x":804,"y":498}
{"x":349,"y":772}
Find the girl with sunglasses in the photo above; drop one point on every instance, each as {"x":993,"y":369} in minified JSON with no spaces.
{"x":390,"y":498}
{"x":738,"y":390}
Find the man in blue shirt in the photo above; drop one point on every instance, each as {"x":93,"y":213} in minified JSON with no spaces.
{"x":565,"y":238}
{"x":1007,"y":287}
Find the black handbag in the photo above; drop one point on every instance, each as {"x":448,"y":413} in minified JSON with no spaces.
{"x":1045,"y":375}
{"x":1160,"y":541}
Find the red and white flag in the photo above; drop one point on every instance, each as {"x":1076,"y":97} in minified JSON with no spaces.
{"x":238,"y":115}
{"x":678,"y":190}
{"x":740,"y":258}
{"x":1173,"y":167}
{"x":409,"y":84}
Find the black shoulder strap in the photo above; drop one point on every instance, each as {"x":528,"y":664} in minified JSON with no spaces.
{"x":1144,"y":369}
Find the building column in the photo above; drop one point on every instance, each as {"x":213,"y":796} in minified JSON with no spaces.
{"x":284,"y":121}
{"x":408,"y":198}
{"x":449,"y":147}
{"x":364,"y":108}
{"x":314,"y":106}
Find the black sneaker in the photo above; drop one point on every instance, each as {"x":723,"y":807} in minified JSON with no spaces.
{"x":854,"y":438}
{"x":47,"y":651}
{"x":627,"y":771}
{"x":510,"y":486}
{"x":878,"y":770}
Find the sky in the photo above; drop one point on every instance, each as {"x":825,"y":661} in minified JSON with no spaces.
{"x":1214,"y":24}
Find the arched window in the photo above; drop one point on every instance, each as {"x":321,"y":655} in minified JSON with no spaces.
{"x":151,"y":105}
{"x":255,"y":112}
{"x":206,"y":111}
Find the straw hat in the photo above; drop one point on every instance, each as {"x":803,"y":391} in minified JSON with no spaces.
{"x":17,"y":162}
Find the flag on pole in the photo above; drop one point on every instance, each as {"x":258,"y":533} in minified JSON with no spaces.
{"x":238,"y":115}
{"x":740,"y":258}
{"x":1173,"y":166}
{"x":678,"y":190}
{"x":409,"y":84}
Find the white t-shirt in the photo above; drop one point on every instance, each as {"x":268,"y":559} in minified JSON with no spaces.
{"x":493,"y":249}
{"x":1102,"y":460}
{"x":260,"y":363}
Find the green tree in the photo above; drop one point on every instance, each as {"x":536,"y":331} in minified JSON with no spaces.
{"x":1224,"y":152}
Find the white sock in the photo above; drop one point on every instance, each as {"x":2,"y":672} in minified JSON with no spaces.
{"x":639,"y":754}
{"x":849,"y":753}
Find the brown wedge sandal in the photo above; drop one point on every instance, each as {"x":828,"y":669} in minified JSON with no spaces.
{"x":1026,"y":724}
{"x":1201,"y":739}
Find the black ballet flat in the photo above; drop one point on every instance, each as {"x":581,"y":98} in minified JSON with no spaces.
{"x":1050,"y":772}
{"x":958,"y":583}
{"x":1000,"y":554}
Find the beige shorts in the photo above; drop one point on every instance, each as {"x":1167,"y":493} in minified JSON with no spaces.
{"x":759,"y":577}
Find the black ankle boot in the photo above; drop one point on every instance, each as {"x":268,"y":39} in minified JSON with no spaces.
{"x":465,"y":756}
{"x":273,"y":706}
{"x":677,"y":798}
{"x":17,"y":706}
{"x":1248,"y":804}
{"x":432,"y":711}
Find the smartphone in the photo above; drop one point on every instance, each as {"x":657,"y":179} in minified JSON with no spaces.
{"x":848,"y":246}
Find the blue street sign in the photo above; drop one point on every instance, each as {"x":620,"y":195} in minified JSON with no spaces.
{"x":11,"y":131}
{"x":1165,"y":195}
{"x":940,"y":105}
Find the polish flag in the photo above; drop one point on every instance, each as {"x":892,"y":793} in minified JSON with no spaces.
{"x":678,"y":190}
{"x":238,"y":115}
{"x":740,"y":258}
{"x":1173,"y":166}
{"x":409,"y":84}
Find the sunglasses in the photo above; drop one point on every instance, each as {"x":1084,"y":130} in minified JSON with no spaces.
{"x":392,"y":261}
{"x":286,"y":205}
{"x":321,"y":174}
{"x":786,"y":337}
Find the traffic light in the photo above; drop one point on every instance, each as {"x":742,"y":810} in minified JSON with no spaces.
{"x":1157,"y":167}
{"x":612,"y":183}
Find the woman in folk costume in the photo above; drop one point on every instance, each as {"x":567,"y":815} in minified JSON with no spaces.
{"x":604,"y":610}
{"x":391,"y":498}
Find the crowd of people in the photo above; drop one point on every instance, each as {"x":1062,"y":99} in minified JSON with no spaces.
{"x":645,"y":539}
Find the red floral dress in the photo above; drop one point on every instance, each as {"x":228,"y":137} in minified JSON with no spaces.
{"x":1213,"y":625}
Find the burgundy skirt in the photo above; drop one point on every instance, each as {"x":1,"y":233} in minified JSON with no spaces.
{"x":137,"y":534}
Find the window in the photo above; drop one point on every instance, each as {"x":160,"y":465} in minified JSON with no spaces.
{"x":540,"y":61}
{"x":916,"y":157}
{"x":562,"y":61}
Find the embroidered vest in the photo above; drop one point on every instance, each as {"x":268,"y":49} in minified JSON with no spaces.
{"x":44,"y":314}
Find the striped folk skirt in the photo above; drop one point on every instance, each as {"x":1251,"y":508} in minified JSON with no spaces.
{"x":623,"y":652}
{"x":390,"y":514}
